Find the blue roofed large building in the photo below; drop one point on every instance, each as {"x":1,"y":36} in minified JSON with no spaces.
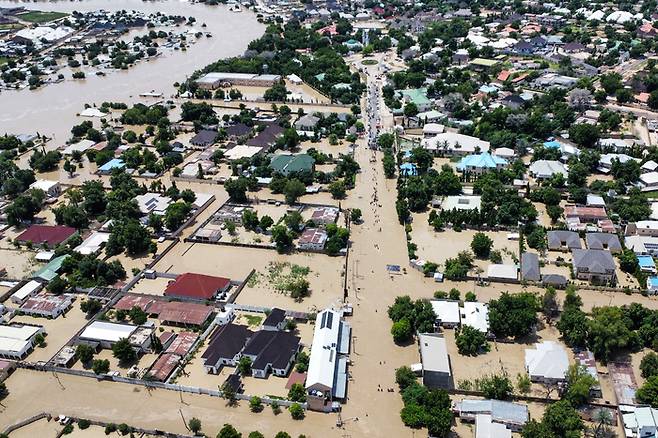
{"x":481,"y":163}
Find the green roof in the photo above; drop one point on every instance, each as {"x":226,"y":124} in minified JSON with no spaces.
{"x":286,"y":164}
{"x":484,"y":62}
{"x":49,"y":271}
{"x":416,"y":95}
{"x":320,"y":77}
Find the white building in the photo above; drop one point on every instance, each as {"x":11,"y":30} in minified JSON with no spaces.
{"x":544,"y":169}
{"x":461,"y":202}
{"x":547,"y":362}
{"x":639,"y":421}
{"x":52,"y":189}
{"x":476,"y":315}
{"x":452,"y":143}
{"x":92,"y":243}
{"x":327,"y":369}
{"x":502,"y":272}
{"x":447,"y":312}
{"x":107,"y":333}
{"x":437,"y":372}
{"x":642,"y":244}
{"x":80,"y":146}
{"x":17,"y":341}
{"x":153,"y":203}
{"x":27,"y":290}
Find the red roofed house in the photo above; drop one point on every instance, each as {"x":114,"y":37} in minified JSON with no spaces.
{"x":504,"y":75}
{"x":184,"y":313}
{"x":164,"y":366}
{"x":50,"y":235}
{"x":197,"y":286}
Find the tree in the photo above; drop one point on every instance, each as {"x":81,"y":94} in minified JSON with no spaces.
{"x":57,"y":285}
{"x":138,"y":316}
{"x":584,"y":134}
{"x":563,"y":420}
{"x":100,"y":366}
{"x":410,"y":109}
{"x":404,"y":377}
{"x":237,"y":189}
{"x":611,"y":82}
{"x":176,"y":214}
{"x":90,"y":306}
{"x":297,"y":393}
{"x":195,"y":425}
{"x":549,"y":303}
{"x":355,"y":215}
{"x":495,"y":386}
{"x":628,"y":261}
{"x":481,"y":245}
{"x":302,"y":362}
{"x":523,"y":383}
{"x":579,"y":385}
{"x":123,"y":351}
{"x":293,"y":189}
{"x":228,"y":431}
{"x":470,"y":341}
{"x":337,"y":189}
{"x":255,"y":404}
{"x":4,"y":392}
{"x":296,"y":411}
{"x":84,"y":353}
{"x":513,"y":315}
{"x":278,"y":92}
{"x":250,"y":219}
{"x":608,"y":333}
{"x":266,"y":222}
{"x":401,"y":331}
{"x":256,"y":434}
{"x":244,"y":365}
{"x":228,"y":393}
{"x":282,"y":435}
{"x":649,"y":365}
{"x":282,"y":238}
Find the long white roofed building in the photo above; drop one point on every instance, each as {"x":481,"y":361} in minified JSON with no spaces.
{"x":326,"y":380}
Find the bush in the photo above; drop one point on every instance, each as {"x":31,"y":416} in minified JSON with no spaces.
{"x":296,"y":411}
{"x":404,"y":377}
{"x":83,"y":424}
{"x":471,"y":341}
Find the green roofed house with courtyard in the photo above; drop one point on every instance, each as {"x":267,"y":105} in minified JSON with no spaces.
{"x":50,"y":271}
{"x":286,"y":164}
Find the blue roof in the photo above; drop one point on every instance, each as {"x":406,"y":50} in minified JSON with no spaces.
{"x":114,"y":163}
{"x":488,"y":89}
{"x":552,"y":144}
{"x":483,"y":161}
{"x":408,"y":169}
{"x":645,"y":261}
{"x":653,"y":281}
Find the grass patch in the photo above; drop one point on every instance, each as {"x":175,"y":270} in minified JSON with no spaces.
{"x":651,"y":194}
{"x":41,"y":17}
{"x":369,"y":62}
{"x":11,"y":26}
{"x":3,"y":60}
{"x":253,"y":320}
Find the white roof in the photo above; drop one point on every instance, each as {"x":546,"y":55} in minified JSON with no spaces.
{"x":26,"y":290}
{"x":44,"y":184}
{"x":92,"y":243}
{"x":242,"y":151}
{"x":447,"y":311}
{"x":505,"y":152}
{"x":649,"y":178}
{"x":44,"y":32}
{"x":19,"y":332}
{"x":485,"y":428}
{"x":456,"y":142}
{"x":433,"y":352}
{"x":548,"y":359}
{"x":650,"y":165}
{"x":654,"y":210}
{"x":547,"y":168}
{"x":107,"y":331}
{"x":322,"y":364}
{"x":433,"y":128}
{"x":81,"y":146}
{"x":476,"y":315}
{"x":595,"y":200}
{"x":153,"y":203}
{"x":92,"y":112}
{"x":461,"y":202}
{"x":496,"y":270}
{"x":639,"y":244}
{"x":647,"y":225}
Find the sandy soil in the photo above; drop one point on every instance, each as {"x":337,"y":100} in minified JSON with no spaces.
{"x":41,"y":428}
{"x":18,"y":263}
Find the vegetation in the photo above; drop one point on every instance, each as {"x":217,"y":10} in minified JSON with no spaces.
{"x":513,"y":315}
{"x":410,"y":317}
{"x":471,"y":341}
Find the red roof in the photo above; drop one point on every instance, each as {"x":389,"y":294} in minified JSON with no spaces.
{"x":184,"y":313}
{"x":504,"y":75}
{"x":164,"y":366}
{"x":50,"y":234}
{"x":295,"y":377}
{"x":129,"y":301}
{"x":182,"y":344}
{"x":203,"y":287}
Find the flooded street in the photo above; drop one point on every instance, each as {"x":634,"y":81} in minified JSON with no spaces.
{"x":52,"y":109}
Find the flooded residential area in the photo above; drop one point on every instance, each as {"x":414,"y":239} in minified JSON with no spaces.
{"x":282,"y":219}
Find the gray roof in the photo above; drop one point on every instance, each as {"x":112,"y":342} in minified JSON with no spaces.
{"x":603,"y":241}
{"x":501,"y":411}
{"x":554,"y":280}
{"x":596,"y":261}
{"x":571,"y":239}
{"x":530,"y":266}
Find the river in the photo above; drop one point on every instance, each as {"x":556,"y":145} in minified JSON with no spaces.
{"x":51,"y":110}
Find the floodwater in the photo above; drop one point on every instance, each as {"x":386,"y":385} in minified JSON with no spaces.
{"x":51,"y":110}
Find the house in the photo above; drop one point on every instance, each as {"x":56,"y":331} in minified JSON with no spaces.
{"x":17,"y":341}
{"x":324,"y":215}
{"x":432,"y":129}
{"x":652,"y":285}
{"x":418,"y":96}
{"x":476,"y":315}
{"x":585,"y":359}
{"x":26,"y":291}
{"x":163,"y":367}
{"x":642,"y":244}
{"x":47,"y":305}
{"x":563,"y":240}
{"x":326,"y":379}
{"x":639,"y":421}
{"x":496,"y":271}
{"x":307,"y":123}
{"x":204,"y":138}
{"x":312,"y":239}
{"x":153,"y":203}
{"x":181,"y":344}
{"x":485,"y":427}
{"x":114,"y":163}
{"x":287,"y":164}
{"x":46,"y":235}
{"x":649,"y":180}
{"x":513,"y":101}
{"x":511,"y":415}
{"x":276,"y":320}
{"x":530,"y":267}
{"x":644,"y":228}
{"x":545,"y":169}
{"x":80,"y":147}
{"x":181,"y":313}
{"x":461,"y":202}
{"x":271,"y":351}
{"x":555,"y":280}
{"x":197,"y":286}
{"x":452,"y":143}
{"x":224,"y":347}
{"x":646,"y":263}
{"x":594,"y":265}
{"x":106,"y":334}
{"x":267,"y":137}
{"x":607,"y":241}
{"x":547,"y":362}
{"x":595,"y":200}
{"x":481,"y":163}
{"x":437,"y":372}
{"x":447,"y":313}
{"x":585,"y":214}
{"x":52,"y":189}
{"x":93,"y":243}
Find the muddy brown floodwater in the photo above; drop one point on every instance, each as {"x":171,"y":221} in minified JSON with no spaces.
{"x":51,"y":110}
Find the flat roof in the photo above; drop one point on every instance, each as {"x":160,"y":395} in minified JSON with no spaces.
{"x":26,"y":290}
{"x":107,"y":331}
{"x":447,"y":311}
{"x":434,"y":352}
